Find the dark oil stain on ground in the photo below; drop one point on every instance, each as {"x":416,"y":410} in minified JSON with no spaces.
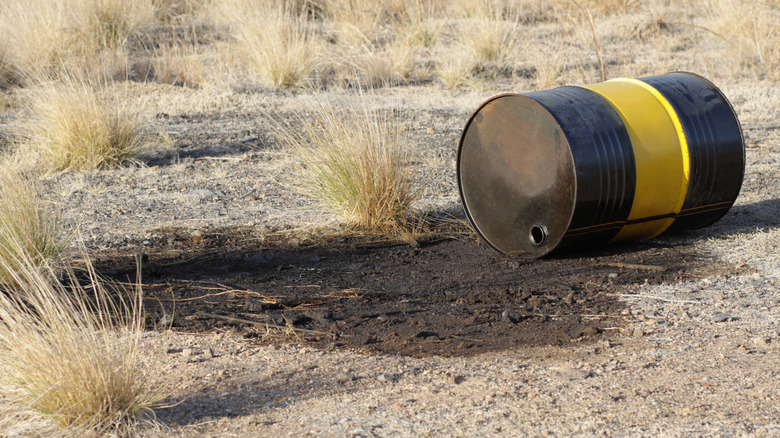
{"x":449,"y":297}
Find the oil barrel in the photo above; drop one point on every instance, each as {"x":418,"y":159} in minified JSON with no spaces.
{"x":624,"y":159}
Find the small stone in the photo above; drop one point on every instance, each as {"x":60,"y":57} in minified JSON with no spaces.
{"x":248,"y":139}
{"x":572,"y":374}
{"x":590,"y":331}
{"x":203,"y":194}
{"x":759,"y":342}
{"x":612,"y":275}
{"x":344,"y":377}
{"x":459,"y":379}
{"x":389,"y":377}
{"x":638,"y":332}
{"x":276,"y":319}
{"x":209,"y":353}
{"x":294,"y":242}
{"x":431,"y":130}
{"x":398,"y":406}
{"x":722,"y":317}
{"x":257,"y":258}
{"x":186,"y":353}
{"x":165,"y":321}
{"x":512,"y":315}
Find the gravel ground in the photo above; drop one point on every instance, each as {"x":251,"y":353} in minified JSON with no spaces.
{"x":697,"y":358}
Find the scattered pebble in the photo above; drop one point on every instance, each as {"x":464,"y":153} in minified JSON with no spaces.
{"x":389,"y":377}
{"x":638,"y":332}
{"x":590,"y":331}
{"x":722,"y":317}
{"x":257,"y":258}
{"x":512,"y":315}
{"x":760,"y":342}
{"x":344,"y":377}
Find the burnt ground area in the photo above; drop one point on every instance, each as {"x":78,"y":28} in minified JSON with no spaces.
{"x":447,"y":297}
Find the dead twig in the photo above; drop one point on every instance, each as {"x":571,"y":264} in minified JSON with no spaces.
{"x":466,"y":339}
{"x":637,"y":266}
{"x":654,"y":297}
{"x":233,"y":319}
{"x":760,"y":127}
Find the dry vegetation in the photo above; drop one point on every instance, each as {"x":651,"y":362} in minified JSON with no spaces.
{"x":65,"y":62}
{"x":67,"y":351}
{"x":355,"y":162}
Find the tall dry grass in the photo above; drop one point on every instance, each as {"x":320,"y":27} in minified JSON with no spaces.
{"x":277,"y":44}
{"x":31,"y":231}
{"x":70,"y":352}
{"x":67,"y":352}
{"x":752,"y":32}
{"x":359,"y":62}
{"x":76,"y":124}
{"x":356,"y":162}
{"x":43,"y":36}
{"x":177,"y":63}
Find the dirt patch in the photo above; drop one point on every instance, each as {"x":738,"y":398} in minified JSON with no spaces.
{"x":449,"y":297}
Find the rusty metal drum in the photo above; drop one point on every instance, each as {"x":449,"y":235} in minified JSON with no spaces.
{"x":620,"y":160}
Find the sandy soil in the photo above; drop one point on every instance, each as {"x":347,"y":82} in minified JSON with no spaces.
{"x":689,"y":355}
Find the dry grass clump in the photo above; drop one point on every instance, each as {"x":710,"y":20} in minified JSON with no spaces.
{"x":52,"y":35}
{"x":752,"y":31}
{"x":358,"y":61}
{"x":108,"y":24}
{"x":549,"y":63}
{"x":364,"y":16}
{"x":422,"y":23}
{"x":78,"y":125}
{"x":176,"y":11}
{"x":29,"y":228}
{"x":7,"y":67}
{"x":454,"y":71}
{"x":488,"y":39}
{"x":177,"y":63}
{"x":69,"y":352}
{"x":278,"y":46}
{"x":356,"y":162}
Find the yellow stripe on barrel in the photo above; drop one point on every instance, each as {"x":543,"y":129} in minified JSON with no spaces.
{"x":660,"y":152}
